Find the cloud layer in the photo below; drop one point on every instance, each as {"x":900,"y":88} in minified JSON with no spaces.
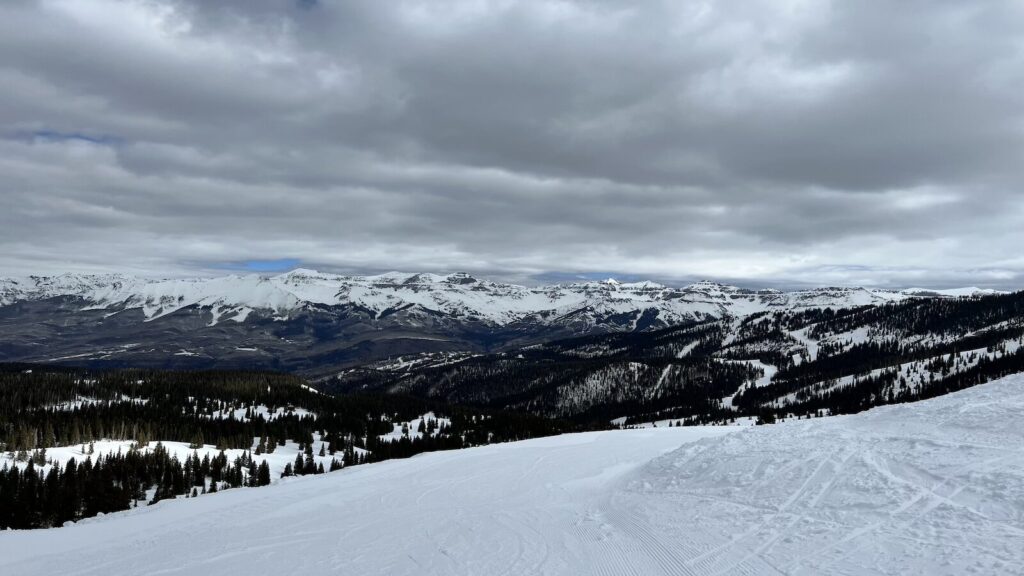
{"x":763,"y":141}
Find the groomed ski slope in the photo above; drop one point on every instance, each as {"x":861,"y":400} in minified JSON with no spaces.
{"x":935,"y":487}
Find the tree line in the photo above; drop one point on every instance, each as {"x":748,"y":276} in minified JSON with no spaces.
{"x":256,"y":412}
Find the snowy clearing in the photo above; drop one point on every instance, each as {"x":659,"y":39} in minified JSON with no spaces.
{"x":935,"y":487}
{"x":412,"y":427}
{"x":277,"y":460}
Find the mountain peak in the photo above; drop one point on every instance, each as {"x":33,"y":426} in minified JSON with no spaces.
{"x":460,"y":278}
{"x":302,"y":273}
{"x":709,"y":285}
{"x":953,"y":292}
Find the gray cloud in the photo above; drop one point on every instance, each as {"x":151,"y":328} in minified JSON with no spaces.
{"x":760,"y":142}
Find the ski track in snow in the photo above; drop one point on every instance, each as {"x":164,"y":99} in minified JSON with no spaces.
{"x":935,"y":487}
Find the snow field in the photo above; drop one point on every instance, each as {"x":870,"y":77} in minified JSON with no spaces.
{"x":934,"y":487}
{"x":930,"y":488}
{"x":413,"y":427}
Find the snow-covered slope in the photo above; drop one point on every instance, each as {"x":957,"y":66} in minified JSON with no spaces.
{"x":935,"y":487}
{"x":458,"y":295}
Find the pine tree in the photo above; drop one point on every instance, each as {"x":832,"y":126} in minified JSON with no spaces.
{"x":263,"y":474}
{"x":253,"y":471}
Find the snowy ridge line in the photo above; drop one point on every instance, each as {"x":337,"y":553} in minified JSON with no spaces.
{"x":235,"y":297}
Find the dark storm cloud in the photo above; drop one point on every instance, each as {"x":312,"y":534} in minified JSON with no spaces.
{"x":765,"y":142}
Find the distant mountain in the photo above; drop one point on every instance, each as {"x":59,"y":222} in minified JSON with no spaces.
{"x":315,"y":322}
{"x":457,"y":295}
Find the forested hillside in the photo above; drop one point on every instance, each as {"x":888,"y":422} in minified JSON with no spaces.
{"x":766,"y":365}
{"x":76,"y":443}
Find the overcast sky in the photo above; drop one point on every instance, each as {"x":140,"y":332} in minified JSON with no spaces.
{"x":762,"y":142}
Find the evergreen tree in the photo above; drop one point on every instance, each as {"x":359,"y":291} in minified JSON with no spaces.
{"x":263,"y":474}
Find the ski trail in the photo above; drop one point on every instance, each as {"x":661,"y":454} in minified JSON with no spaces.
{"x":810,"y":344}
{"x":512,"y":509}
{"x":685,"y":351}
{"x":935,"y":487}
{"x":768,"y":372}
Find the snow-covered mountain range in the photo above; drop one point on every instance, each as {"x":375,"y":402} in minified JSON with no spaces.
{"x":459,"y":295}
{"x":313,"y":322}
